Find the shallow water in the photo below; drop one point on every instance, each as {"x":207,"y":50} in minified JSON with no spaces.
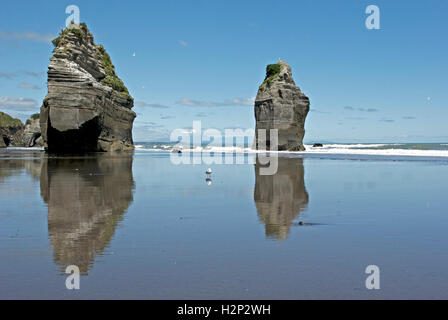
{"x":141,"y":227}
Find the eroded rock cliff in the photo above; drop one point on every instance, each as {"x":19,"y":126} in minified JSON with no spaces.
{"x":281,"y":105}
{"x":88,"y":108}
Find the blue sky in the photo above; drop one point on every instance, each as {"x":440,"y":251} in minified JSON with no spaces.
{"x":204,"y":60}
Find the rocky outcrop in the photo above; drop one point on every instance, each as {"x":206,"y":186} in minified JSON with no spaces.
{"x":88,"y":108}
{"x":32,"y":136}
{"x":280,"y":105}
{"x":11,"y":131}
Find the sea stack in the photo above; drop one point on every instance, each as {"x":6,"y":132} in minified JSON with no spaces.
{"x":281,"y":105}
{"x":88,"y":108}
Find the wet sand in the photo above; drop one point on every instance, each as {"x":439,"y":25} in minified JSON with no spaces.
{"x":140,"y":227}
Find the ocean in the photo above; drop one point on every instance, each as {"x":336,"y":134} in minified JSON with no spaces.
{"x":139,"y":226}
{"x":409,"y":151}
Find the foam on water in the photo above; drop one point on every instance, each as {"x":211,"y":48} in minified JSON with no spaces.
{"x":405,"y":150}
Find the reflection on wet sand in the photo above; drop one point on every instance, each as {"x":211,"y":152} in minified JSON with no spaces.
{"x":86,"y":200}
{"x":11,"y":163}
{"x":281,"y":197}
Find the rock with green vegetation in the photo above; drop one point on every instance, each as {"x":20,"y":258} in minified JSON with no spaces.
{"x":32,"y":136}
{"x":6,"y":121}
{"x":88,"y":108}
{"x":281,"y":105}
{"x":11,"y":130}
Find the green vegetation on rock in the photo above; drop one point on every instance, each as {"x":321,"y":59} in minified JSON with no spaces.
{"x":111,"y":78}
{"x":80,"y":33}
{"x":272,"y":72}
{"x":7,"y":121}
{"x":35,"y":116}
{"x":115,"y":83}
{"x":56,"y":41}
{"x":77,"y":32}
{"x":106,"y":61}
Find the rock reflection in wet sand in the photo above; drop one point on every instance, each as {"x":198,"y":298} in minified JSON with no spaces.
{"x":86,"y":198}
{"x":281,"y":197}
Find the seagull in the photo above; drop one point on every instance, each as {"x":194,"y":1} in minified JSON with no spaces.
{"x":208,"y":181}
{"x":208,"y":172}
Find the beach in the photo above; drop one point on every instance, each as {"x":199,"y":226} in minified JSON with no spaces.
{"x":140,"y":227}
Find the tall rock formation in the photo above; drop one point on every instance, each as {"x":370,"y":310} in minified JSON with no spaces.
{"x":281,"y":105}
{"x":88,"y":108}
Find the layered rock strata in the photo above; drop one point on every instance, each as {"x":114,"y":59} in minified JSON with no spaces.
{"x":88,"y":108}
{"x":280,"y":105}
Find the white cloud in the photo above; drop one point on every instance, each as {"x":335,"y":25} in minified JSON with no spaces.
{"x":25,"y":85}
{"x":27,"y":36}
{"x":13,"y":75}
{"x":18,"y":104}
{"x":349,"y":108}
{"x":151,"y":105}
{"x":167,"y":117}
{"x":225,"y":103}
{"x":183,"y":43}
{"x":7,"y":75}
{"x":149,"y":133}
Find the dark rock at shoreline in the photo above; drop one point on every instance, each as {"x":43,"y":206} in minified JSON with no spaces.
{"x":13,"y":133}
{"x":88,"y":108}
{"x":318,"y":145}
{"x":281,"y":105}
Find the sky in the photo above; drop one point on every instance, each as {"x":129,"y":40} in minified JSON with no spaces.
{"x":204,"y":60}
